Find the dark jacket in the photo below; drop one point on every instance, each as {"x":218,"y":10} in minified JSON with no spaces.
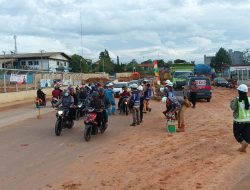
{"x":40,"y":94}
{"x":105,"y":101}
{"x":66,"y":101}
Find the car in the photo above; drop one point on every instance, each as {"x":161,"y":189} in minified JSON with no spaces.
{"x":117,"y":88}
{"x":133,"y":82}
{"x":219,"y":81}
{"x":204,"y":87}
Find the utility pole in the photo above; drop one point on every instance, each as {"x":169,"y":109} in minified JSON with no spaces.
{"x":15,"y":37}
{"x":81,"y":40}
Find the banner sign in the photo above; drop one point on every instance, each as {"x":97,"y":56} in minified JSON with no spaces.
{"x":44,"y":83}
{"x":19,"y":79}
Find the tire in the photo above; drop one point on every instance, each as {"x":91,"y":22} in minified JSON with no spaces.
{"x":208,"y":99}
{"x":71,"y":125}
{"x":87,"y":133}
{"x":103,"y":128}
{"x":58,"y":127}
{"x":126,"y":110}
{"x":77,"y":115}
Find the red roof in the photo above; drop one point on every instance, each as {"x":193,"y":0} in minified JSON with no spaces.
{"x":146,"y":65}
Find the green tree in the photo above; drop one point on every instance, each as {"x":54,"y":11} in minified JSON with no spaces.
{"x":78,"y":64}
{"x":105,"y":64}
{"x":246,"y":56}
{"x":221,"y":59}
{"x":179,"y":61}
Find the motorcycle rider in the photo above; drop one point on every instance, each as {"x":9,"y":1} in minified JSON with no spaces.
{"x":135,"y":104}
{"x":105,"y":102}
{"x":83,"y":94}
{"x":56,"y":93}
{"x":67,"y":102}
{"x":125,"y":94}
{"x":97,"y":103}
{"x":41,"y":95}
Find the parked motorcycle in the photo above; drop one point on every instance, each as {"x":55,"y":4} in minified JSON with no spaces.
{"x":54,"y":101}
{"x":63,"y":121}
{"x":92,"y":127}
{"x":39,"y":102}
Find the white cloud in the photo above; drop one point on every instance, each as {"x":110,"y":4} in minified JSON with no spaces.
{"x":129,"y":29}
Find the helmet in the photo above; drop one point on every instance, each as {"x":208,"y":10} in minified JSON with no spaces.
{"x":170,"y":84}
{"x":140,"y":88}
{"x":101,"y":90}
{"x":164,"y":99}
{"x":243,"y":88}
{"x":167,"y":81}
{"x":109,"y":84}
{"x":162,"y":89}
{"x":134,"y":86}
{"x":95,"y":94}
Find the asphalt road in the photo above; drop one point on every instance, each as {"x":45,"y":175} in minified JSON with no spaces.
{"x":32,"y":156}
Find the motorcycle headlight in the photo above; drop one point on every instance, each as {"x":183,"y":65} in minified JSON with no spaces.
{"x":126,"y":102}
{"x":60,"y":112}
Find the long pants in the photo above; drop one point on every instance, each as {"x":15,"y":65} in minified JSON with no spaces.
{"x":146,"y":105}
{"x":141,"y":112}
{"x":180,"y":116}
{"x":241,"y":131}
{"x":192,"y":98}
{"x":136,"y":114}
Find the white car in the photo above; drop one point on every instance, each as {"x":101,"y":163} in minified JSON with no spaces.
{"x":117,"y":88}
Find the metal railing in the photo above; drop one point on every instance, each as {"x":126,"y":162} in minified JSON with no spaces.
{"x":14,"y":80}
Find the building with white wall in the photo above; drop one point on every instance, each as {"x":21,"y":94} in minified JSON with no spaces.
{"x":48,"y":61}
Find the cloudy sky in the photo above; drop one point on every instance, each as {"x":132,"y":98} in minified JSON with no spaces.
{"x":130,"y":29}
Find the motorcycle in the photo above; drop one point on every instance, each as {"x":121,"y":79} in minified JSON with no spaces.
{"x":54,"y":101}
{"x":80,"y":110}
{"x":124,"y":107}
{"x":39,"y":102}
{"x":92,"y":127}
{"x":63,"y":121}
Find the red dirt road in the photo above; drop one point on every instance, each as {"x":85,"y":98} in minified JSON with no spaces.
{"x":125,"y":157}
{"x":146,"y":157}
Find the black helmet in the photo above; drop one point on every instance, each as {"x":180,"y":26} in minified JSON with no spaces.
{"x":95,"y":94}
{"x":101,"y":90}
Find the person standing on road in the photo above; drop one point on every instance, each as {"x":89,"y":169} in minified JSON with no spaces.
{"x":147,"y":97}
{"x":135,"y":104}
{"x":241,"y":113}
{"x":110,"y":94}
{"x":180,"y":115}
{"x":140,"y":88}
{"x":193,"y":93}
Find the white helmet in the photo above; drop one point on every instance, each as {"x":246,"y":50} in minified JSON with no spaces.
{"x":167,"y":81}
{"x":134,"y":86}
{"x":162,"y":89}
{"x":164,"y":99}
{"x":243,"y":88}
{"x":140,"y":88}
{"x":170,"y":84}
{"x":109,"y":84}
